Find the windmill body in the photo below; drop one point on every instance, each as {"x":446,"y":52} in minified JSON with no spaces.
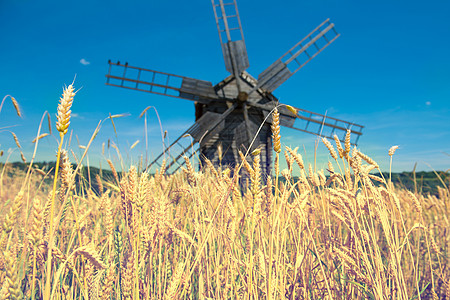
{"x":240,"y":127}
{"x":229,"y":116}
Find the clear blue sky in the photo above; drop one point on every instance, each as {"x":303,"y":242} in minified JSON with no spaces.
{"x":389,"y":70}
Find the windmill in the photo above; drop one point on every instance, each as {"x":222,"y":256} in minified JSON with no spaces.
{"x":228,"y":114}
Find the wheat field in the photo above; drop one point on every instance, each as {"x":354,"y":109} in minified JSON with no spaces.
{"x":341,"y":233}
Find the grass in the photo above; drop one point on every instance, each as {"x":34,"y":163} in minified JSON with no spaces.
{"x":339,"y":234}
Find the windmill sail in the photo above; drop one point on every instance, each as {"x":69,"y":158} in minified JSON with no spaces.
{"x":231,"y":36}
{"x":297,"y":57}
{"x":202,"y":130}
{"x":146,"y":80}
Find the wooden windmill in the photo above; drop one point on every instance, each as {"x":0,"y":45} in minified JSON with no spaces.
{"x":228,"y":114}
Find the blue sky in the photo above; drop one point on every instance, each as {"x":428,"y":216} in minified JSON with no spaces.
{"x":389,"y":70}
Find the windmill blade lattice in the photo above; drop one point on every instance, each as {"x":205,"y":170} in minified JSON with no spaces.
{"x":201,"y":131}
{"x":298,"y":56}
{"x":160,"y":83}
{"x":314,"y":123}
{"x":231,"y":36}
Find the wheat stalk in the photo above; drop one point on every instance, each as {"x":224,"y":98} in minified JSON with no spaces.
{"x":62,"y":125}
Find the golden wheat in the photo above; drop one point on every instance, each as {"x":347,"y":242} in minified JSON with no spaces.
{"x":64,"y":112}
{"x":392,"y":150}
{"x":330,"y":148}
{"x":204,"y":234}
{"x":276,"y":131}
{"x":92,"y":255}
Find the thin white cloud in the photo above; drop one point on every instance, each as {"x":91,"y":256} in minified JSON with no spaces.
{"x":78,"y":116}
{"x":84,"y":62}
{"x":428,"y":103}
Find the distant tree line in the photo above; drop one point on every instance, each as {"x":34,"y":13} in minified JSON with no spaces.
{"x":422,"y":182}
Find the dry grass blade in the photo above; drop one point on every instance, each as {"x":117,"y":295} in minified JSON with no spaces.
{"x":292,"y":109}
{"x":49,"y":123}
{"x":144,"y":111}
{"x":134,"y":144}
{"x":40,"y":172}
{"x":39,"y":137}
{"x":257,"y":151}
{"x":113,"y":125}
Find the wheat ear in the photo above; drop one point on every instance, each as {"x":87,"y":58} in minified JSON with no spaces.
{"x":64,"y":112}
{"x":189,"y":171}
{"x":247,"y":166}
{"x":23,"y":157}
{"x":276,"y":131}
{"x":16,"y":106}
{"x":277,"y":148}
{"x":14,"y":103}
{"x":92,"y":255}
{"x":113,"y":170}
{"x":297,"y":157}
{"x":369,"y":160}
{"x":347,"y":143}
{"x":16,"y":140}
{"x":13,"y":279}
{"x":339,"y":146}
{"x":330,"y":148}
{"x":62,"y":124}
{"x":392,"y":150}
{"x":67,"y":175}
